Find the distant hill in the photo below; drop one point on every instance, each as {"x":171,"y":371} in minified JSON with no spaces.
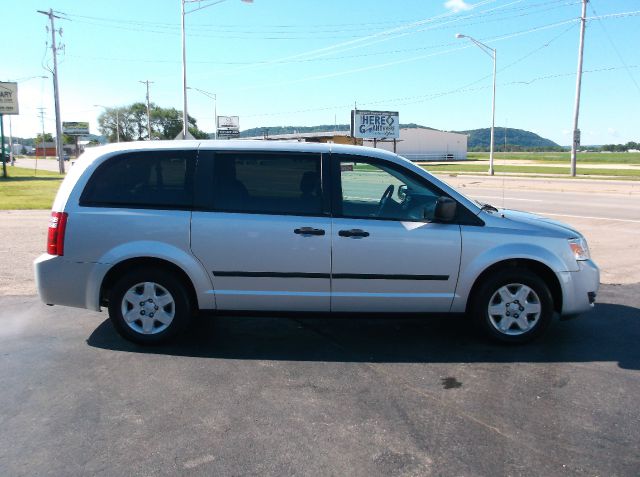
{"x":275,"y":130}
{"x":480,"y":138}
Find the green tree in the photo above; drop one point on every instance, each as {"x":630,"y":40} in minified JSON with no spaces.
{"x":166,"y":123}
{"x":113,"y":118}
{"x":47,"y":138}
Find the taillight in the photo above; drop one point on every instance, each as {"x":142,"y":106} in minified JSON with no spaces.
{"x":55,"y":238}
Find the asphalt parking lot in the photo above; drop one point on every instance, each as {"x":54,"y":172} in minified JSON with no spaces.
{"x":310,"y":396}
{"x":269,"y":396}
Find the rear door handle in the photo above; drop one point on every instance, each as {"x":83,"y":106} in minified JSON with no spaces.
{"x":353,"y":233}
{"x":308,"y":231}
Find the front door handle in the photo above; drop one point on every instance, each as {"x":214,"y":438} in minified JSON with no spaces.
{"x":353,"y":233}
{"x":308,"y":231}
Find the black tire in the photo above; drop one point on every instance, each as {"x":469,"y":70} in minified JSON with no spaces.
{"x":508,"y":280}
{"x":177,"y":312}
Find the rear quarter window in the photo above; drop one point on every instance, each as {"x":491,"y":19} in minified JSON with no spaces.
{"x":145,"y":179}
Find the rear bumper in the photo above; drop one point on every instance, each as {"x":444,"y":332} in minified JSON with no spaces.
{"x":62,"y":282}
{"x":580,"y":288}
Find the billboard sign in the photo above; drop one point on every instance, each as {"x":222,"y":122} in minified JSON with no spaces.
{"x":375,"y":124}
{"x":228,"y":122}
{"x":228,"y":133}
{"x":75,"y":128}
{"x":9,"y":98}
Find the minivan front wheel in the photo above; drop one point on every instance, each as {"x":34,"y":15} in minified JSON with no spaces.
{"x":148,"y":306}
{"x":513,"y":306}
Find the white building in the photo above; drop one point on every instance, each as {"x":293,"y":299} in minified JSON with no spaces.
{"x":422,"y":144}
{"x":416,"y":144}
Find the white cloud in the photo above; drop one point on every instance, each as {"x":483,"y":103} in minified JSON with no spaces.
{"x":613,"y":132}
{"x":456,"y":5}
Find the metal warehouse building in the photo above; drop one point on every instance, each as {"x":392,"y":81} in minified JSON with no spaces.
{"x":422,"y":144}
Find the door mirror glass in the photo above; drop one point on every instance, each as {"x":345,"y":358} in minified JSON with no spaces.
{"x":445,"y":209}
{"x":402,"y":191}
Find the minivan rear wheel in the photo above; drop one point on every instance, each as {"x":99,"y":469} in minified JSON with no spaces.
{"x":513,"y":306}
{"x":149,"y":306}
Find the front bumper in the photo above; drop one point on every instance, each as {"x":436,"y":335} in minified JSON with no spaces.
{"x":580,"y":288}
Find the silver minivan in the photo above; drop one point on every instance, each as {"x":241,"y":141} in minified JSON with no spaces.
{"x":160,"y":231}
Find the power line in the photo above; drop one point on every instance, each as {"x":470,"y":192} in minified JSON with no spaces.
{"x":404,"y":60}
{"x":409,"y":100}
{"x":315,"y":28}
{"x":613,"y":45}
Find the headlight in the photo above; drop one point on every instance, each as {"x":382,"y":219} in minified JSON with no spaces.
{"x":579,"y":248}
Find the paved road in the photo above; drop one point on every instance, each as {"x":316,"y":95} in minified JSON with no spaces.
{"x":248,"y":396}
{"x":42,"y":164}
{"x":606,"y":212}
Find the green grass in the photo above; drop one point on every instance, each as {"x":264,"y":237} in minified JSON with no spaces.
{"x":471,"y":168}
{"x":24,"y":189}
{"x":563,"y":157}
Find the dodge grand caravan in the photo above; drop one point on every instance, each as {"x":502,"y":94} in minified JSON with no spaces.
{"x":160,"y":231}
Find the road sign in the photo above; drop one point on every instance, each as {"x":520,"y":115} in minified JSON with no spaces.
{"x":228,"y":133}
{"x":228,"y":122}
{"x":576,"y":137}
{"x":9,"y":98}
{"x":75,"y":128}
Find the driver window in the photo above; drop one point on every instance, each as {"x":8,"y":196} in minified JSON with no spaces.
{"x":375,"y":190}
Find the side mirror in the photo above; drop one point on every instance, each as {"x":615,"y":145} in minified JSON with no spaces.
{"x":402,"y":191}
{"x":445,"y":209}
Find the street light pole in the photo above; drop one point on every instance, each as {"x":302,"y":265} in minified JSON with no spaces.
{"x":493,"y":116}
{"x":185,"y":121}
{"x":492,"y":53}
{"x":185,"y":116}
{"x":215,"y":108}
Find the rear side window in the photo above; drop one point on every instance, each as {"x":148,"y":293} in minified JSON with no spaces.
{"x":145,"y":179}
{"x":269,"y":183}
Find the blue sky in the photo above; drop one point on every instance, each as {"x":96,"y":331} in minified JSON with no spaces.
{"x":285,"y":62}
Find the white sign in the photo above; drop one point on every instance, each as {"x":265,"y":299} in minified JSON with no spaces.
{"x":228,"y":133}
{"x":375,"y":124}
{"x":75,"y":128}
{"x":228,"y":122}
{"x":8,"y":98}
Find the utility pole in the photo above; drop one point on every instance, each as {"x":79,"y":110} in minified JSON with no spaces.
{"x":148,"y":109}
{"x":117,"y":125}
{"x":56,"y":93}
{"x":44,"y":148}
{"x":576,"y":132}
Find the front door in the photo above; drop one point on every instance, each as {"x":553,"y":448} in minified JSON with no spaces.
{"x":262,"y":230}
{"x":388,"y":253}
